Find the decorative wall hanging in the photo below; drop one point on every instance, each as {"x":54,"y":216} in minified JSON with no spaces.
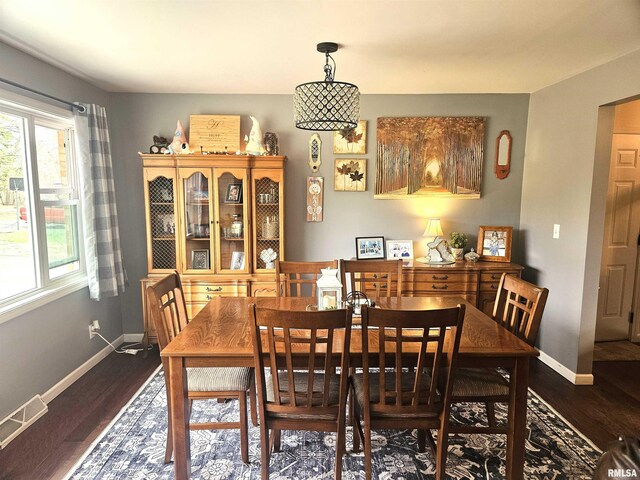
{"x":503,"y":155}
{"x":315,"y":145}
{"x":351,"y":140}
{"x":315,"y":191}
{"x":214,"y":133}
{"x":439,"y":156}
{"x":350,"y":175}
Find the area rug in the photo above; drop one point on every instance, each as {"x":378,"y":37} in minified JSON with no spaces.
{"x":617,"y":351}
{"x":132,"y":447}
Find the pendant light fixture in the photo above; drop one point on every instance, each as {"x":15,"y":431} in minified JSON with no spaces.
{"x":326,"y":105}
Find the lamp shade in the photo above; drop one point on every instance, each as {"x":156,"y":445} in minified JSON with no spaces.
{"x":433,"y":229}
{"x":326,"y":105}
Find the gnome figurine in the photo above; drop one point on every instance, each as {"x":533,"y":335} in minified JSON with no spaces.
{"x":179,"y":143}
{"x":254,"y":142}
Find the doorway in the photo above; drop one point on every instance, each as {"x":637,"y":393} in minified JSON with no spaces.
{"x":619,"y":295}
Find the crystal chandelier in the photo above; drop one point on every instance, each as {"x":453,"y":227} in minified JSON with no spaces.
{"x":326,"y":105}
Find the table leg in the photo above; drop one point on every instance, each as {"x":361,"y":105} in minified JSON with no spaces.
{"x":517,"y":419}
{"x":180,"y":418}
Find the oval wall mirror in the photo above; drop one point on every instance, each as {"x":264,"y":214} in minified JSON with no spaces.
{"x":503,"y":154}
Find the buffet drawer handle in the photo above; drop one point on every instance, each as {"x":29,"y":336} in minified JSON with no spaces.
{"x":495,"y":277}
{"x":494,"y":287}
{"x":443,"y":287}
{"x":217,"y":289}
{"x":444,"y":277}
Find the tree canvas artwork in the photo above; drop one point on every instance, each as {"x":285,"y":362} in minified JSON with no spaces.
{"x":350,"y":175}
{"x":351,"y":140}
{"x":437,"y":156}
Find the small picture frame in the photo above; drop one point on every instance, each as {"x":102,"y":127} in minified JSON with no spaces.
{"x":494,"y":243}
{"x":237,"y":260}
{"x":369,"y":248}
{"x":234,"y":193}
{"x":200,"y":259}
{"x":399,"y":249}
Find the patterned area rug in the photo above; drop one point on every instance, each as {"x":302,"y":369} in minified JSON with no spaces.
{"x":132,"y":447}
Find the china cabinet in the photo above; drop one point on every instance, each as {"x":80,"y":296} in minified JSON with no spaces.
{"x":216,"y":219}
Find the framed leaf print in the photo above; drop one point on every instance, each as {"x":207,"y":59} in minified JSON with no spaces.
{"x":350,"y":175}
{"x":351,"y":140}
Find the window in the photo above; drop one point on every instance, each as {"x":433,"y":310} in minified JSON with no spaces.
{"x":39,"y":205}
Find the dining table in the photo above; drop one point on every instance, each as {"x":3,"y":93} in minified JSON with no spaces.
{"x":219,"y":336}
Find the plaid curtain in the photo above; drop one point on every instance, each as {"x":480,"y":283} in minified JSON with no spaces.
{"x":105,"y":267}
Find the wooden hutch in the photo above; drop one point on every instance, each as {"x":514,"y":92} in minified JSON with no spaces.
{"x":216,"y":219}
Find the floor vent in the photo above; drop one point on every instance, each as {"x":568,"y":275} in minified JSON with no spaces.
{"x":18,"y":421}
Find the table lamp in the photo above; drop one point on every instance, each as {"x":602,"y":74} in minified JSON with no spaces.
{"x":439,"y":253}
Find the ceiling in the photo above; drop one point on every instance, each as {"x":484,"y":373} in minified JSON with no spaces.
{"x":269,"y":46}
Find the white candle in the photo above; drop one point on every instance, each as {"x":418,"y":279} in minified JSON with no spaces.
{"x":329,"y":302}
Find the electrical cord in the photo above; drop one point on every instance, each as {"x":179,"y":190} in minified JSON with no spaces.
{"x":130,"y":351}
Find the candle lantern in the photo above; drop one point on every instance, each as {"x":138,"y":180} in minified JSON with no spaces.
{"x":329,"y":289}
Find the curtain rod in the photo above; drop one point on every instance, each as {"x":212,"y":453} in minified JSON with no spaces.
{"x":81,"y":108}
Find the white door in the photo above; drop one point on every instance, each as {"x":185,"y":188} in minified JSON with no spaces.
{"x":620,"y":249}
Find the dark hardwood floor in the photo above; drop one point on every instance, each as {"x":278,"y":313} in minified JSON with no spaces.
{"x":55,"y":442}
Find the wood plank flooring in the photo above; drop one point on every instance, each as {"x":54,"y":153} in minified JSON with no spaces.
{"x":55,"y":442}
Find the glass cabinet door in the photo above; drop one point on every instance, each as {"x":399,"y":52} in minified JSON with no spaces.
{"x":196,"y":194}
{"x":161,"y":216}
{"x":232,"y":221}
{"x":268,"y":215}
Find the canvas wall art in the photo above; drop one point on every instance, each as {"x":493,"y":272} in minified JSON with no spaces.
{"x":438,"y":156}
{"x":350,"y":175}
{"x":351,"y":140}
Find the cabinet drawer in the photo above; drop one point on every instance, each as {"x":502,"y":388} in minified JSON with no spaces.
{"x":214,"y":288}
{"x":447,"y":277}
{"x":442,"y":286}
{"x":489,"y":281}
{"x":263,"y":289}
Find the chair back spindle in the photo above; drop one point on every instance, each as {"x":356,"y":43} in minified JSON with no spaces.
{"x":375,"y":278}
{"x":298,"y":279}
{"x":519,"y":306}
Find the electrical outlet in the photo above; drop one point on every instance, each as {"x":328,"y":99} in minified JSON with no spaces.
{"x":92,"y":332}
{"x":95,"y":324}
{"x":556,"y":230}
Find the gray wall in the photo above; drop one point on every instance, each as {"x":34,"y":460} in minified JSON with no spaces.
{"x":40,"y":348}
{"x":135,"y":118}
{"x":565,"y":182}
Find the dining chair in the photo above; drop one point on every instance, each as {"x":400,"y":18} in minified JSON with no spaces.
{"x":402,"y":392}
{"x":518,"y":308}
{"x":169,"y":315}
{"x":298,"y":387}
{"x":298,"y":279}
{"x":377,"y":278}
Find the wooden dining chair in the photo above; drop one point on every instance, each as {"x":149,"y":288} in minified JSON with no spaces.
{"x":403,"y":393}
{"x":375,"y":278}
{"x":169,"y":314}
{"x":298,"y":279}
{"x":518,"y":308}
{"x":298,"y":388}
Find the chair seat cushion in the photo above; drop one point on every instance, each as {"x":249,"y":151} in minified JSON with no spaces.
{"x":218,"y":379}
{"x":408,"y":379}
{"x":479,"y":382}
{"x":301,"y":380}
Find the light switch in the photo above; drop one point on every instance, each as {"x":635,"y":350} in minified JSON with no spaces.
{"x":556,"y":230}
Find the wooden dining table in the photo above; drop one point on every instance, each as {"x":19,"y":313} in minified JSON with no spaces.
{"x":219,"y":336}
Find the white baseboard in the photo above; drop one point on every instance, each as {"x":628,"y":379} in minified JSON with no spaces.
{"x":133,"y":337}
{"x":67,"y":381}
{"x":575,"y":378}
